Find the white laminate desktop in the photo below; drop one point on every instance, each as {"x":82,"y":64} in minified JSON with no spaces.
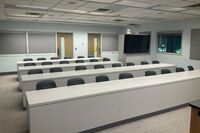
{"x":21,"y":63}
{"x":29,"y":82}
{"x":88,"y":106}
{"x":65,"y":67}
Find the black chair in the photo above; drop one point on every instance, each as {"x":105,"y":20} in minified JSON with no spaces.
{"x":55,"y":69}
{"x":165,"y":71}
{"x":75,"y":81}
{"x":46,"y":63}
{"x":93,"y":60}
{"x":45,"y":84}
{"x":180,"y":69}
{"x":79,"y":61}
{"x":106,"y":59}
{"x":90,"y":56}
{"x":155,"y":62}
{"x":42,"y":58}
{"x":35,"y":71}
{"x":125,"y":75}
{"x":102,"y":78}
{"x":116,"y":65}
{"x":190,"y":68}
{"x":54,"y":58}
{"x":29,"y":64}
{"x":77,"y":68}
{"x":80,"y":57}
{"x":130,"y":64}
{"x":98,"y":66}
{"x":150,"y":73}
{"x":28,"y":59}
{"x":67,"y":57}
{"x":64,"y":62}
{"x":144,"y":62}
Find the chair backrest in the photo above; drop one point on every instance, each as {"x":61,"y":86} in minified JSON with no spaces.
{"x":29,"y":64}
{"x":64,"y":62}
{"x":98,"y":66}
{"x":102,"y":78}
{"x":144,"y":62}
{"x":79,"y":61}
{"x":93,"y":60}
{"x":46,"y":63}
{"x":35,"y":71}
{"x":125,"y":75}
{"x":180,"y":69}
{"x":77,"y":68}
{"x":150,"y":73}
{"x":165,"y":71}
{"x":190,"y":68}
{"x":106,"y":59}
{"x":67,"y":57}
{"x":55,"y":69}
{"x":45,"y":84}
{"x":27,"y":59}
{"x":54,"y":58}
{"x":90,"y":56}
{"x":75,"y":81}
{"x":80,"y":57}
{"x":41,"y":58}
{"x":130,"y":64}
{"x":116,"y":65}
{"x":155,"y":62}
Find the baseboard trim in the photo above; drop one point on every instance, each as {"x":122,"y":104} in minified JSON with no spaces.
{"x":8,"y":73}
{"x":97,"y":129}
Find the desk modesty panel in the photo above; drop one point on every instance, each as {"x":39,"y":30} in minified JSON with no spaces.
{"x":82,"y":107}
{"x":29,"y":81}
{"x":21,"y":63}
{"x":65,"y":67}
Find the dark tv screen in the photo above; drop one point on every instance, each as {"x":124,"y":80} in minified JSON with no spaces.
{"x":136,"y":43}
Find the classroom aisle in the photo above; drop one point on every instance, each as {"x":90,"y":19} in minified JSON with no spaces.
{"x":13,"y":119}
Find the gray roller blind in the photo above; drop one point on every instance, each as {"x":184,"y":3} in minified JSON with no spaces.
{"x":13,"y":43}
{"x":195,"y":44}
{"x":109,"y":42}
{"x":41,"y":42}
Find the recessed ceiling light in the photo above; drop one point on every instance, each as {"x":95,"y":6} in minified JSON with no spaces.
{"x":102,"y":10}
{"x":72,"y":2}
{"x":118,"y":20}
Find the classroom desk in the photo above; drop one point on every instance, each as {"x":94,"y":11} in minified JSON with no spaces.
{"x":29,"y":81}
{"x":21,"y":63}
{"x":65,"y":67}
{"x":82,"y":107}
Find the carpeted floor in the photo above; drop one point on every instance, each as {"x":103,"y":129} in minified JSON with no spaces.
{"x":13,"y":118}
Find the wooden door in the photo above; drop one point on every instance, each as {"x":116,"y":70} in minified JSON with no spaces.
{"x":94,"y":44}
{"x":65,"y":45}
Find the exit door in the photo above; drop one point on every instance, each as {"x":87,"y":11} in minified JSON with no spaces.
{"x":94,"y":45}
{"x":65,"y":45}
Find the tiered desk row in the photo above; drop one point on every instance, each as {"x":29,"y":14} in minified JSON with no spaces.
{"x":87,"y":106}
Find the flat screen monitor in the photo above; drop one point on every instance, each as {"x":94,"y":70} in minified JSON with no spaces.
{"x":136,"y":43}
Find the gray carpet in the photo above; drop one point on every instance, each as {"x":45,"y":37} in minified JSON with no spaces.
{"x":12,"y":118}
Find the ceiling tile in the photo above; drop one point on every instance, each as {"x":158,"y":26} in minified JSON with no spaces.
{"x":168,"y":8}
{"x":102,"y":1}
{"x":194,"y":12}
{"x":135,"y":4}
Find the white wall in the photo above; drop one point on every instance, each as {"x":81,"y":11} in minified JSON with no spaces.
{"x":80,"y":38}
{"x":183,"y":25}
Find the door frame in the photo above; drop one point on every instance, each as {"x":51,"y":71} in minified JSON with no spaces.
{"x":100,"y":40}
{"x":63,"y":32}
